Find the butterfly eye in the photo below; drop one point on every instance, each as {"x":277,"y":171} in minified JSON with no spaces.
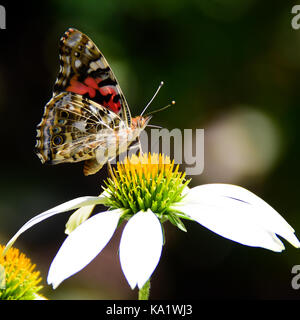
{"x":57,"y":140}
{"x":76,"y":54}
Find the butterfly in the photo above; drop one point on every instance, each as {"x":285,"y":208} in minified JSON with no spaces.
{"x":87,"y":119}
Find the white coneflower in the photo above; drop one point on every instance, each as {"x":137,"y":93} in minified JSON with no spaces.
{"x":148,"y":191}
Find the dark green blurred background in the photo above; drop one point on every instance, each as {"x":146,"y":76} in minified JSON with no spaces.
{"x":233,"y":68}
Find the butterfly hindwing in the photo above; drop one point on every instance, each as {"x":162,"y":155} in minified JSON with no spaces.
{"x":85,"y":71}
{"x":71,"y":129}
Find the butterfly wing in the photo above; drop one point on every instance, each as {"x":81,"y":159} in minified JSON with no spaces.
{"x":85,"y":71}
{"x":74,"y":128}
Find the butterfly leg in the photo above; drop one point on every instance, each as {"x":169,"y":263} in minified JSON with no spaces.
{"x":110,"y":170}
{"x":134,"y":146}
{"x":140,"y":146}
{"x":137,"y":145}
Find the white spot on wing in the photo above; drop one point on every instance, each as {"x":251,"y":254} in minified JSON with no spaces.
{"x":77,"y":63}
{"x":89,"y":45}
{"x":80,"y":125}
{"x":74,"y":39}
{"x":100,"y":64}
{"x":94,"y":65}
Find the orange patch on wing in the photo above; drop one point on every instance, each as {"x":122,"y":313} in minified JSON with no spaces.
{"x":80,"y":88}
{"x":91,"y":82}
{"x":90,"y":85}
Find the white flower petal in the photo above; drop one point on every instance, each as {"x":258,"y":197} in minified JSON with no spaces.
{"x":78,"y":217}
{"x":185,"y":191}
{"x":238,"y":214}
{"x":83,"y":245}
{"x":241,"y":194}
{"x":2,"y":278}
{"x":67,"y":206}
{"x":234,"y":224}
{"x":140,"y":247}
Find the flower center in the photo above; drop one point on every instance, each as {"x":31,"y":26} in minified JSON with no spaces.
{"x":145,"y":182}
{"x":21,"y":280}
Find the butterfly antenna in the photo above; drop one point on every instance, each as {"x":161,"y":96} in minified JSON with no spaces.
{"x":154,"y":126}
{"x":155,"y":94}
{"x":161,"y":109}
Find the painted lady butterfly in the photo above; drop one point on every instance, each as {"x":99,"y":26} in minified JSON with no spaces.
{"x":88,"y":117}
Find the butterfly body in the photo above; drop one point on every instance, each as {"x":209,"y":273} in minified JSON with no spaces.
{"x":88,"y":118}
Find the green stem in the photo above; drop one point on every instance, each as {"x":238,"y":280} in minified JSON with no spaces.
{"x":144,"y":292}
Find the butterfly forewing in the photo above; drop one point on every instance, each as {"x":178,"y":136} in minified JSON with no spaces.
{"x":85,"y":71}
